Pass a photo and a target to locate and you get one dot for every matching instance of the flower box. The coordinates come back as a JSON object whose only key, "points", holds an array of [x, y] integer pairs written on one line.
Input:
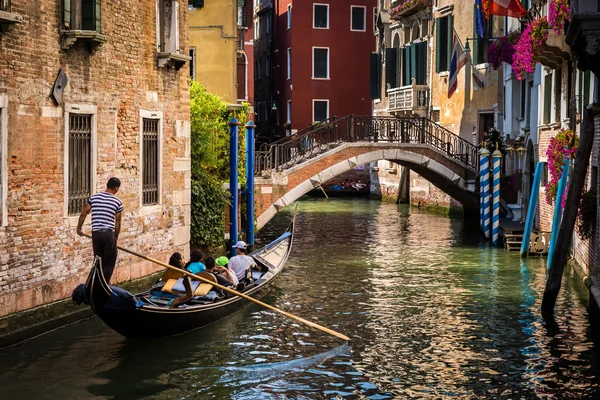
{"points": [[404, 8]]}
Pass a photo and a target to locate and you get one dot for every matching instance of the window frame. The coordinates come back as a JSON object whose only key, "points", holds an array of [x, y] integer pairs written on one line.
{"points": [[149, 114], [289, 112], [3, 159], [364, 22], [315, 15], [328, 63], [326, 101], [289, 16], [162, 45], [193, 51], [81, 109], [289, 63]]}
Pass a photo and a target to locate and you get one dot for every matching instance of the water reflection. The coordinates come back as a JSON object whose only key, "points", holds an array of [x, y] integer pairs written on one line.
{"points": [[433, 312]]}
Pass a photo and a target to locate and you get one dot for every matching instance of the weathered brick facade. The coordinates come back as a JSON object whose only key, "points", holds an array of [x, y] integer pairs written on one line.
{"points": [[41, 257]]}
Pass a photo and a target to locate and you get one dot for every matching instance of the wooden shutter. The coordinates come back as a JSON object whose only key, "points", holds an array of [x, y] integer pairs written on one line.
{"points": [[375, 76], [438, 56], [449, 37], [406, 75], [547, 98], [413, 63], [98, 8], [67, 13], [391, 67], [421, 63]]}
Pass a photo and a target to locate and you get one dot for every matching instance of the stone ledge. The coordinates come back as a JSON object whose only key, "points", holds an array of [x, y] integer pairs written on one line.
{"points": [[70, 37]]}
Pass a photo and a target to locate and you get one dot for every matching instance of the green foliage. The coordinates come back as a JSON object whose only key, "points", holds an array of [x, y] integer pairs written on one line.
{"points": [[209, 117], [208, 210]]}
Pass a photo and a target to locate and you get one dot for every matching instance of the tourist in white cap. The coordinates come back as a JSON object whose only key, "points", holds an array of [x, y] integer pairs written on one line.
{"points": [[241, 263]]}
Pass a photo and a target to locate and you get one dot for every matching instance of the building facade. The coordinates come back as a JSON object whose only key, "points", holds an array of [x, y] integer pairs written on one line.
{"points": [[313, 58], [222, 48], [89, 90]]}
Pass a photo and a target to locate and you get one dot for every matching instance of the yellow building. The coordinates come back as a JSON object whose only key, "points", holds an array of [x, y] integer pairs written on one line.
{"points": [[217, 39]]}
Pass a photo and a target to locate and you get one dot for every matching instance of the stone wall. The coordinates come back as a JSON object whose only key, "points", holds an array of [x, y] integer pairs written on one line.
{"points": [[41, 257]]}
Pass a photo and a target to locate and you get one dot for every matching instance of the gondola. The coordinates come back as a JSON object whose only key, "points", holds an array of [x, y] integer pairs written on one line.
{"points": [[339, 193], [147, 315]]}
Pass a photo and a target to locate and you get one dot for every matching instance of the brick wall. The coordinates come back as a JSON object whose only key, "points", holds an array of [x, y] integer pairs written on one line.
{"points": [[41, 257]]}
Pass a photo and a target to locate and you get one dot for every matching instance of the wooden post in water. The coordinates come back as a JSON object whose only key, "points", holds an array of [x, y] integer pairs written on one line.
{"points": [[559, 258]]}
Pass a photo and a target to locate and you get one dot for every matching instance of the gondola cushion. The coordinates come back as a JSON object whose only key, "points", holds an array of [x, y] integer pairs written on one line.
{"points": [[121, 298], [175, 286]]}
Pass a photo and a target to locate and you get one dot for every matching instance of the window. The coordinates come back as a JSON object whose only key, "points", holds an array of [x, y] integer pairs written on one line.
{"points": [[481, 45], [358, 18], [268, 23], [523, 90], [321, 16], [375, 76], [150, 156], [82, 15], [320, 110], [374, 19], [547, 98], [320, 63], [557, 94], [241, 16], [168, 26], [443, 42], [267, 65], [80, 160], [414, 64], [193, 63], [3, 160], [289, 16], [195, 4], [259, 68], [256, 29], [289, 111], [289, 63]]}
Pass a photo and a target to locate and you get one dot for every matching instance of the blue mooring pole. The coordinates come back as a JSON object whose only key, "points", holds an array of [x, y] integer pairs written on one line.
{"points": [[531, 210], [250, 127], [560, 192], [484, 188], [233, 183], [496, 158]]}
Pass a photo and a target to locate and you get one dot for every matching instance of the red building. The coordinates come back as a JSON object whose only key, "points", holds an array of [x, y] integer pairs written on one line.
{"points": [[320, 69]]}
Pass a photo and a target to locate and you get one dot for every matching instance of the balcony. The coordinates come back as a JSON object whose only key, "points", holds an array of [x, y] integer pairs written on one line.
{"points": [[583, 34], [404, 8], [411, 99], [554, 51], [7, 18]]}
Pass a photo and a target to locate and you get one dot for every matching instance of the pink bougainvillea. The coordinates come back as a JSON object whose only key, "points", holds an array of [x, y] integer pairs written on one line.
{"points": [[529, 46], [403, 5], [503, 49], [562, 146], [557, 14]]}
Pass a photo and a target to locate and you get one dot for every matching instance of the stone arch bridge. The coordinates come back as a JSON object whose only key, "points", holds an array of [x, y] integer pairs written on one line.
{"points": [[289, 168]]}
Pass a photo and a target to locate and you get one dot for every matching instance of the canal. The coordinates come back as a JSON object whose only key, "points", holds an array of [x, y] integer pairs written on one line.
{"points": [[432, 310]]}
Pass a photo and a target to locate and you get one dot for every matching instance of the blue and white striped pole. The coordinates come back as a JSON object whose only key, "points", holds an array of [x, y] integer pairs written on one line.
{"points": [[484, 184], [496, 157], [558, 209]]}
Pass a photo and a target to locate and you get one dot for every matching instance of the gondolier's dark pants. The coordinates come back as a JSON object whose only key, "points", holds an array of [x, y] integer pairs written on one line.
{"points": [[105, 247]]}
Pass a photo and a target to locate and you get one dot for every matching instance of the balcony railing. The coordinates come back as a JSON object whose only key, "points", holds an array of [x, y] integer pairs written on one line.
{"points": [[404, 8], [411, 98]]}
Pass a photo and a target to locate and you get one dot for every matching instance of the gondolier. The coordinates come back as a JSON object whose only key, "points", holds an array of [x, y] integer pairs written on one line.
{"points": [[106, 211]]}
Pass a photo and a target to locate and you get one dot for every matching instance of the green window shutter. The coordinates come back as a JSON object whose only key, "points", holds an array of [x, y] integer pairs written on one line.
{"points": [[374, 76], [547, 98], [421, 75], [586, 89], [67, 13], [449, 41], [438, 56], [98, 16], [391, 67], [406, 74], [413, 63], [200, 3]]}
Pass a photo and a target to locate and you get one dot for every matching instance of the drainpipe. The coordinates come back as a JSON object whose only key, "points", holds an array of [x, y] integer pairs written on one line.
{"points": [[233, 183]]}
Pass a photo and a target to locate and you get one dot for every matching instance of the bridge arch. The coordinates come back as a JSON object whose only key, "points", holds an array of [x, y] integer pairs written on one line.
{"points": [[435, 166]]}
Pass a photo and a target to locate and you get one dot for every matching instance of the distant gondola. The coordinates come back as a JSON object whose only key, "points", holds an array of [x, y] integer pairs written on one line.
{"points": [[147, 315], [339, 193]]}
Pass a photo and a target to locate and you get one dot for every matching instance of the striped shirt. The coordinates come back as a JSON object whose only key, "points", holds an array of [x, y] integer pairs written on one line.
{"points": [[104, 208]]}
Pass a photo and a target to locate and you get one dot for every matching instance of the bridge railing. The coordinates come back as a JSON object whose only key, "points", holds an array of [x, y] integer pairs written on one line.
{"points": [[326, 135]]}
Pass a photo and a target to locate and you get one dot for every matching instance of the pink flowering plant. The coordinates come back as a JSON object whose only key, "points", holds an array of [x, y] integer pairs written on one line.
{"points": [[529, 46], [402, 5], [557, 14], [503, 49], [562, 146]]}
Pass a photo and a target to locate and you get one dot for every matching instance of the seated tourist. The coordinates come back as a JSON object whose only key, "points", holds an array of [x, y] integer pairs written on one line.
{"points": [[359, 185], [176, 260], [241, 264], [223, 262], [195, 265], [223, 275]]}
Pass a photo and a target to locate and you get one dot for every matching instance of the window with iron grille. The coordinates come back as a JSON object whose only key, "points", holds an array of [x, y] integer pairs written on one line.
{"points": [[150, 161], [80, 161]]}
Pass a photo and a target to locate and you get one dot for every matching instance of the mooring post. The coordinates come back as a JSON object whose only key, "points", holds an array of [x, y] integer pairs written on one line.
{"points": [[567, 225], [250, 127], [233, 183], [531, 210], [497, 158], [560, 191], [485, 189]]}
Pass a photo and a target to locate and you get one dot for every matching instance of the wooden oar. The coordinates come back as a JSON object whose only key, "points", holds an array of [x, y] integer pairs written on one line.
{"points": [[235, 292], [323, 190]]}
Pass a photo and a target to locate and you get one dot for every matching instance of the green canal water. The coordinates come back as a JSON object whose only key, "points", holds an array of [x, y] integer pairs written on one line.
{"points": [[432, 310]]}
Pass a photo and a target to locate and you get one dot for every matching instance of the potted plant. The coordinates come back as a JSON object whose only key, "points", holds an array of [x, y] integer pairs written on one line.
{"points": [[503, 49], [529, 46]]}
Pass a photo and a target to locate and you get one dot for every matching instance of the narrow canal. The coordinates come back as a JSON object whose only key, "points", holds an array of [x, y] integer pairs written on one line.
{"points": [[432, 311]]}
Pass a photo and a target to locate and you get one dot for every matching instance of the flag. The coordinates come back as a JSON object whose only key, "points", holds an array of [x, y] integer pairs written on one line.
{"points": [[505, 8], [479, 19], [457, 61]]}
